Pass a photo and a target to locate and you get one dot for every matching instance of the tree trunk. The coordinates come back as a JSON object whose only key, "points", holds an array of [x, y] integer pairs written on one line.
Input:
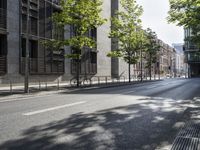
{"points": [[141, 66], [129, 72], [77, 72], [150, 67]]}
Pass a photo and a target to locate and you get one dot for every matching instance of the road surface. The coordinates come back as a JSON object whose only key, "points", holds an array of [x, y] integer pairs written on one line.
{"points": [[144, 116]]}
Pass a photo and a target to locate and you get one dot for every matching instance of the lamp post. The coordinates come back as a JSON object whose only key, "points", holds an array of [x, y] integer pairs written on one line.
{"points": [[26, 75]]}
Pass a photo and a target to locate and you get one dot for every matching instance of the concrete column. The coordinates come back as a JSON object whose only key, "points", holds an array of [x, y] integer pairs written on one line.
{"points": [[104, 43], [13, 37]]}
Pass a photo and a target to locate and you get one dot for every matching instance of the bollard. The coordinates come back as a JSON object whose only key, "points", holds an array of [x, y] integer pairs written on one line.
{"points": [[98, 80], [11, 90], [58, 84], [46, 85], [90, 82], [39, 85], [106, 80]]}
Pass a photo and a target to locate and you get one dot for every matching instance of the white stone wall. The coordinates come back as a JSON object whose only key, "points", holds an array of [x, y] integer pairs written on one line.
{"points": [[104, 43], [103, 47], [13, 40]]}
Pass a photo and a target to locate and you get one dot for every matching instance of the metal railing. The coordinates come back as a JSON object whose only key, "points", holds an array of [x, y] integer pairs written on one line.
{"points": [[84, 68], [16, 85]]}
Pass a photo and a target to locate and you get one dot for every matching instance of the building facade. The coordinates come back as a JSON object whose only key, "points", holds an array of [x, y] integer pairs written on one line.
{"points": [[45, 63], [3, 37], [167, 57], [181, 66], [192, 55]]}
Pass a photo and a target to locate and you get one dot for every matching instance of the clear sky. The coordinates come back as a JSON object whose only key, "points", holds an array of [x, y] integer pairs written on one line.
{"points": [[154, 17]]}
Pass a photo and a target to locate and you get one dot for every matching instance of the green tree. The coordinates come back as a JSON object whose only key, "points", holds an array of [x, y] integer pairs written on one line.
{"points": [[186, 13], [82, 16], [126, 28], [152, 49]]}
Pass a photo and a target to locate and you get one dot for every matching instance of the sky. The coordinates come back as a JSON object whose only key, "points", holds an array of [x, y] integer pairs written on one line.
{"points": [[154, 17]]}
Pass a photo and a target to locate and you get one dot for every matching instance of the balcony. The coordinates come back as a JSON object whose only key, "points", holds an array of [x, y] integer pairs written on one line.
{"points": [[3, 64], [3, 18], [193, 58]]}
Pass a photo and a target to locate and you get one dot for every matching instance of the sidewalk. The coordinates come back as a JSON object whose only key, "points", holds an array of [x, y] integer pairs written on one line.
{"points": [[189, 136], [17, 91]]}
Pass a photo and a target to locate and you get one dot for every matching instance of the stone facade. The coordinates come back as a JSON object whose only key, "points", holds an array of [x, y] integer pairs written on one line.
{"points": [[167, 59], [105, 65]]}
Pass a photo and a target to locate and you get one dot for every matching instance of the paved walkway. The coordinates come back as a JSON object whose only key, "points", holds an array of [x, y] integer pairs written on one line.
{"points": [[189, 136], [46, 87]]}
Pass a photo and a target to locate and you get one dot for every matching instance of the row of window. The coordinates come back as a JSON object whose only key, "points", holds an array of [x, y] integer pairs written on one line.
{"points": [[3, 52], [3, 14], [45, 60]]}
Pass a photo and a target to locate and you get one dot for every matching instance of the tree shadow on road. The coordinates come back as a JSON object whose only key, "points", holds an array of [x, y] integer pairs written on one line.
{"points": [[144, 126]]}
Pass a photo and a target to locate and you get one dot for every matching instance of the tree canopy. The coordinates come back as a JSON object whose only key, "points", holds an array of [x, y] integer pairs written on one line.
{"points": [[82, 16], [152, 49], [127, 29], [186, 13]]}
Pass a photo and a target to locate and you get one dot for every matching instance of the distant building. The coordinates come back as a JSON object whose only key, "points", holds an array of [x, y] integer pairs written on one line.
{"points": [[181, 66], [192, 55], [167, 59]]}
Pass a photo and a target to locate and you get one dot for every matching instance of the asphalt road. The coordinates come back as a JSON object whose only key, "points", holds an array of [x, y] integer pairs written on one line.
{"points": [[144, 116]]}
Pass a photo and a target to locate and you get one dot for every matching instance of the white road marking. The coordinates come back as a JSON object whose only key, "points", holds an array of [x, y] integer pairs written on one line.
{"points": [[127, 92], [52, 108], [151, 87], [22, 98]]}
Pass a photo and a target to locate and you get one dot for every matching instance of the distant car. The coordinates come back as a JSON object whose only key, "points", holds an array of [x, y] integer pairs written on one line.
{"points": [[139, 76], [168, 76]]}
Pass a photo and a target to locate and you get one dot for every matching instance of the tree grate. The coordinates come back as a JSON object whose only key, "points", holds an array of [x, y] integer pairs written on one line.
{"points": [[188, 138]]}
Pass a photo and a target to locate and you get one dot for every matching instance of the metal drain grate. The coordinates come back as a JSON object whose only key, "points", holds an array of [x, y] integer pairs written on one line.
{"points": [[188, 138]]}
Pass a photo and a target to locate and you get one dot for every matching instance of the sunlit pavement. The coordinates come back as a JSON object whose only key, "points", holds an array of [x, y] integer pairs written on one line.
{"points": [[133, 117]]}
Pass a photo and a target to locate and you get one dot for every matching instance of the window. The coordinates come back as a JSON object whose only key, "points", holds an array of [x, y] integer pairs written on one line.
{"points": [[24, 21], [42, 18], [3, 4], [93, 57], [94, 33], [33, 26], [33, 48], [3, 45], [23, 44], [48, 25]]}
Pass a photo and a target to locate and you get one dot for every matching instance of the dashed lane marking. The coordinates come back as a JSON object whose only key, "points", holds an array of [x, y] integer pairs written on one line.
{"points": [[22, 98], [52, 108], [128, 92]]}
